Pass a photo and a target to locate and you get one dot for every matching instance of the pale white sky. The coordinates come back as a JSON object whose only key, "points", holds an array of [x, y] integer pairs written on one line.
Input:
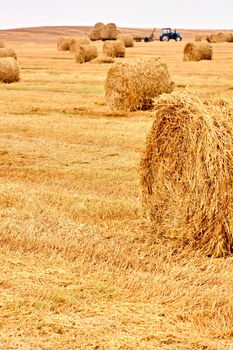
{"points": [[210, 14]]}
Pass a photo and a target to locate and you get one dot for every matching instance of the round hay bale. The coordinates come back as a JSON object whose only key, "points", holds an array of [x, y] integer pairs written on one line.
{"points": [[9, 70], [1, 44], [103, 60], [119, 48], [187, 174], [85, 53], [221, 38], [109, 33], [198, 37], [111, 26], [99, 26], [63, 44], [108, 49], [95, 34], [213, 38], [131, 86], [5, 52], [198, 51], [229, 37], [127, 39], [75, 42]]}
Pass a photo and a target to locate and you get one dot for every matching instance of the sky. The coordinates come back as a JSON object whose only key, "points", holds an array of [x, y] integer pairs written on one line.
{"points": [[193, 14]]}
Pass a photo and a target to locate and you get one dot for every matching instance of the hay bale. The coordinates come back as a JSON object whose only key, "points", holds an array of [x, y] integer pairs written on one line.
{"points": [[119, 48], [111, 26], [5, 52], [108, 49], [99, 25], [213, 38], [198, 51], [76, 42], [229, 37], [221, 38], [1, 44], [127, 39], [95, 34], [132, 86], [198, 37], [63, 44], [114, 49], [85, 53], [103, 60], [9, 70], [109, 33], [187, 174]]}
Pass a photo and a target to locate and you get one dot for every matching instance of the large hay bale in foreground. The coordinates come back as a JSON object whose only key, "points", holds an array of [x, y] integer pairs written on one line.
{"points": [[1, 44], [127, 39], [86, 53], [9, 70], [63, 44], [187, 174], [5, 52], [198, 51], [131, 86]]}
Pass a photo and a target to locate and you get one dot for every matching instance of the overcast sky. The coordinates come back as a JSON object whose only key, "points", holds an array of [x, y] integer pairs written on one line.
{"points": [[208, 14]]}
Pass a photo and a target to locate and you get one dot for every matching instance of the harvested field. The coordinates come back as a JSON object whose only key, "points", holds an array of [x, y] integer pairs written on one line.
{"points": [[80, 268]]}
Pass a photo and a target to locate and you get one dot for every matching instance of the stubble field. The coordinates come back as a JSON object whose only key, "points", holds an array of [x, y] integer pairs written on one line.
{"points": [[79, 268]]}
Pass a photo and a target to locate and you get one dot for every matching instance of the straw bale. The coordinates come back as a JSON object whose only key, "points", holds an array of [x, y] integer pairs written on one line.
{"points": [[198, 51], [95, 34], [9, 70], [86, 53], [229, 37], [127, 39], [76, 42], [108, 49], [63, 44], [119, 48], [198, 37], [103, 60], [99, 25], [132, 86], [5, 52], [187, 174]]}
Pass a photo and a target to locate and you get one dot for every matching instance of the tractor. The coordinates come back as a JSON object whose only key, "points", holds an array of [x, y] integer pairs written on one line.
{"points": [[167, 34]]}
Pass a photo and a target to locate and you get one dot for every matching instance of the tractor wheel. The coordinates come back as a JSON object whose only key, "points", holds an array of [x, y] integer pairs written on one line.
{"points": [[165, 38], [146, 39], [178, 38]]}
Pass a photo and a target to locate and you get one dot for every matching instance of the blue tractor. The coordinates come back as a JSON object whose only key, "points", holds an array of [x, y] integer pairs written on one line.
{"points": [[167, 34]]}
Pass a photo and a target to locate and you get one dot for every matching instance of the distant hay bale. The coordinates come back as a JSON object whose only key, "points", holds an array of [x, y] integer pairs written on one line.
{"points": [[86, 53], [187, 174], [131, 86], [111, 26], [5, 52], [95, 34], [109, 33], [221, 38], [119, 48], [114, 48], [229, 37], [63, 44], [108, 49], [198, 51], [213, 38], [75, 42], [1, 44], [198, 37], [103, 60], [9, 70], [99, 25], [127, 39]]}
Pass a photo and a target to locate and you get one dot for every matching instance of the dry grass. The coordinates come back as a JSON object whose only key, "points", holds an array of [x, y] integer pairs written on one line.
{"points": [[198, 51], [78, 268], [131, 86], [187, 173]]}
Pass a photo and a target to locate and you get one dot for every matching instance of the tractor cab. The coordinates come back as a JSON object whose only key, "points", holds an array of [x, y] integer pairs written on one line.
{"points": [[167, 34]]}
